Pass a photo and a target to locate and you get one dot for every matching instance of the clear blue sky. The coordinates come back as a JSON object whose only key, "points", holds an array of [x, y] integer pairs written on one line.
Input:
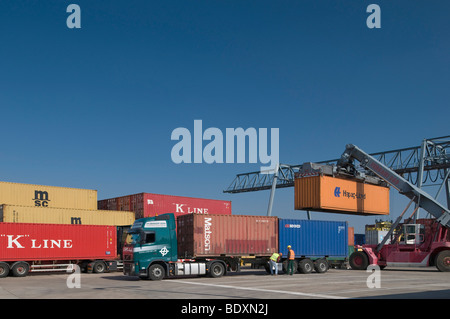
{"points": [[95, 107]]}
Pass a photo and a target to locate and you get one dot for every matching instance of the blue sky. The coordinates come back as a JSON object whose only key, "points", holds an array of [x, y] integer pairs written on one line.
{"points": [[95, 107]]}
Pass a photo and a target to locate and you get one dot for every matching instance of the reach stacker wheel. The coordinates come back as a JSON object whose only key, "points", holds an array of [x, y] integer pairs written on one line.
{"points": [[359, 260], [443, 261]]}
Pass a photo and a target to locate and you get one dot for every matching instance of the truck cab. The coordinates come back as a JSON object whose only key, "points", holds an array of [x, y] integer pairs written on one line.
{"points": [[412, 234], [151, 252], [151, 243]]}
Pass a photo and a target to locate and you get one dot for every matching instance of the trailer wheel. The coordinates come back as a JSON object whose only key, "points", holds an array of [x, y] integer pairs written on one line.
{"points": [[20, 269], [156, 272], [359, 260], [4, 269], [216, 270], [443, 261], [321, 265], [305, 266], [99, 267]]}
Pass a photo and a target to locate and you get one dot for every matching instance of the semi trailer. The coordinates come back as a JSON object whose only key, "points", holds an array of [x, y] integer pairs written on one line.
{"points": [[213, 245], [28, 248]]}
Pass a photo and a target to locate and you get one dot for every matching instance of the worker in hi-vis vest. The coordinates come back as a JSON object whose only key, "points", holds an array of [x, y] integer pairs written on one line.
{"points": [[291, 258], [274, 259]]}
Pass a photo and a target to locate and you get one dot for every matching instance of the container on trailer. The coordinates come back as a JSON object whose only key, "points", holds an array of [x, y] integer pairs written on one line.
{"points": [[34, 242], [226, 235], [47, 196], [150, 205], [313, 238], [339, 195], [41, 215]]}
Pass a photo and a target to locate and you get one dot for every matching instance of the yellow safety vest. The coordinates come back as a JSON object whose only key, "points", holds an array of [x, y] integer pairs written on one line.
{"points": [[275, 257]]}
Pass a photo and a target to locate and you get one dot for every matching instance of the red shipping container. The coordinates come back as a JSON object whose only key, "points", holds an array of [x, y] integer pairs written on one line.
{"points": [[226, 235], [150, 205], [32, 242]]}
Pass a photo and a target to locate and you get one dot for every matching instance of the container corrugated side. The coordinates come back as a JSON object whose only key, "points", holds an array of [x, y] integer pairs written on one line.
{"points": [[39, 215], [150, 205], [31, 242], [47, 196], [338, 195], [313, 238], [226, 235], [351, 236]]}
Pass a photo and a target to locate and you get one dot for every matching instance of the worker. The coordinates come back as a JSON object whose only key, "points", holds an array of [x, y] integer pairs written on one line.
{"points": [[274, 259], [291, 258]]}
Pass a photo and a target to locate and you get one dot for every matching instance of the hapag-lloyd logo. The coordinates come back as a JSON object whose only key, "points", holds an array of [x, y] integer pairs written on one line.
{"points": [[354, 195], [23, 241], [207, 240]]}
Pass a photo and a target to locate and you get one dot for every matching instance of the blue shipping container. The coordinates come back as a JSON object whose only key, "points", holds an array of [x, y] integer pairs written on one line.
{"points": [[313, 238], [360, 239]]}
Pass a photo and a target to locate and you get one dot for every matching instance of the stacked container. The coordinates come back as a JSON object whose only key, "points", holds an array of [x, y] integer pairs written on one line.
{"points": [[150, 205], [29, 203]]}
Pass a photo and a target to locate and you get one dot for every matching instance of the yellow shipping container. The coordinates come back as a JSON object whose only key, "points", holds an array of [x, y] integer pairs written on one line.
{"points": [[47, 196], [39, 215], [338, 195]]}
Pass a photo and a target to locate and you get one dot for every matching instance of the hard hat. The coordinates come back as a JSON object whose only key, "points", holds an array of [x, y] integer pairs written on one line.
{"points": [[289, 246]]}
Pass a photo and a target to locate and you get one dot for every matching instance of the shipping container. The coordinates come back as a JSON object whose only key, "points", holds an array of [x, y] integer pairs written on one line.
{"points": [[37, 242], [226, 235], [338, 195], [351, 236], [47, 196], [150, 205], [314, 238], [40, 215], [374, 237], [360, 239]]}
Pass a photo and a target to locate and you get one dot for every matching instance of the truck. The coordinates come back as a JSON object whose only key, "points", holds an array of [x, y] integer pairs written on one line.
{"points": [[213, 245], [26, 247], [423, 242]]}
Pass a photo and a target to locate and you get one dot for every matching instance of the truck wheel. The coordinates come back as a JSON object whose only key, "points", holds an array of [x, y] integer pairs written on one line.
{"points": [[216, 270], [443, 261], [99, 267], [321, 265], [4, 269], [359, 260], [20, 269], [305, 266], [156, 272]]}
